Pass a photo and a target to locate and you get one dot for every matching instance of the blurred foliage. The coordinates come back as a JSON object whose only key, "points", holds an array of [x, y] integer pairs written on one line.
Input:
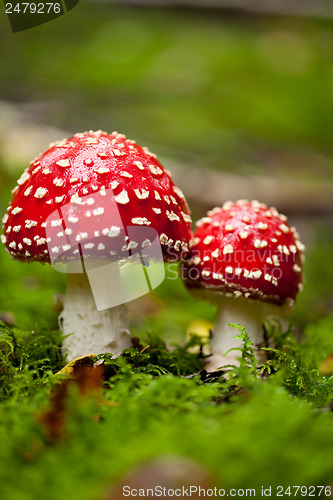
{"points": [[216, 89]]}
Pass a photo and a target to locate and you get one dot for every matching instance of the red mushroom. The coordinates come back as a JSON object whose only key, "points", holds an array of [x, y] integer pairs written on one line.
{"points": [[88, 202], [245, 258]]}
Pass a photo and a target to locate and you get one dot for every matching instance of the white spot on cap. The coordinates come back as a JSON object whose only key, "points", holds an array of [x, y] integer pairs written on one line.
{"points": [[55, 223], [88, 246], [268, 277], [262, 225], [73, 180], [58, 199], [157, 195], [36, 170], [156, 210], [299, 245], [27, 241], [172, 216], [178, 191], [208, 240], [122, 197], [285, 250], [186, 217], [16, 210], [131, 245], [90, 201], [195, 260], [203, 220], [269, 260], [101, 247], [16, 229], [68, 231], [91, 140], [41, 241], [58, 182], [228, 249], [229, 227], [46, 171], [24, 177], [113, 232], [155, 170], [66, 247], [167, 199], [5, 218], [114, 184], [284, 228], [260, 243], [139, 165], [88, 161], [243, 235], [229, 270], [246, 218], [276, 261], [216, 253], [40, 192], [297, 268], [28, 191], [9, 228], [164, 239], [76, 199], [194, 242], [27, 254], [60, 235], [102, 155], [63, 163], [126, 174], [71, 219], [205, 273], [141, 221], [142, 194], [116, 152], [146, 243], [98, 211], [4, 239], [102, 170]]}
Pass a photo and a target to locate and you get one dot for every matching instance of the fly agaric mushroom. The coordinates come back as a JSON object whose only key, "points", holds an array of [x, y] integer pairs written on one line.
{"points": [[245, 258], [90, 200]]}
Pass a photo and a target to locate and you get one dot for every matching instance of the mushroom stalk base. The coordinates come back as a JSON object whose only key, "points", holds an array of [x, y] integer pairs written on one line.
{"points": [[247, 313], [91, 331]]}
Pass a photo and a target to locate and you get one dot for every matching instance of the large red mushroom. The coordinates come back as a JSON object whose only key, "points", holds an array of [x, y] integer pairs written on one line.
{"points": [[246, 258], [88, 203]]}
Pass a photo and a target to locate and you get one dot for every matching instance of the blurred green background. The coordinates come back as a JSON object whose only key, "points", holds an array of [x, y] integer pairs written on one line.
{"points": [[238, 104]]}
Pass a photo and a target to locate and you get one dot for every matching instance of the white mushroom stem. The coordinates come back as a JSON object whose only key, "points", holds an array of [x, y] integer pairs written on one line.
{"points": [[91, 331], [249, 314]]}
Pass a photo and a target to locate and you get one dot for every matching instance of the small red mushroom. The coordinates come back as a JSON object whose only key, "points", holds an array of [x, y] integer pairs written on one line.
{"points": [[91, 200], [245, 258]]}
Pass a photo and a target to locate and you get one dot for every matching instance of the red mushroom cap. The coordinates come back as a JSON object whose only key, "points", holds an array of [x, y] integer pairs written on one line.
{"points": [[90, 189], [245, 248]]}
